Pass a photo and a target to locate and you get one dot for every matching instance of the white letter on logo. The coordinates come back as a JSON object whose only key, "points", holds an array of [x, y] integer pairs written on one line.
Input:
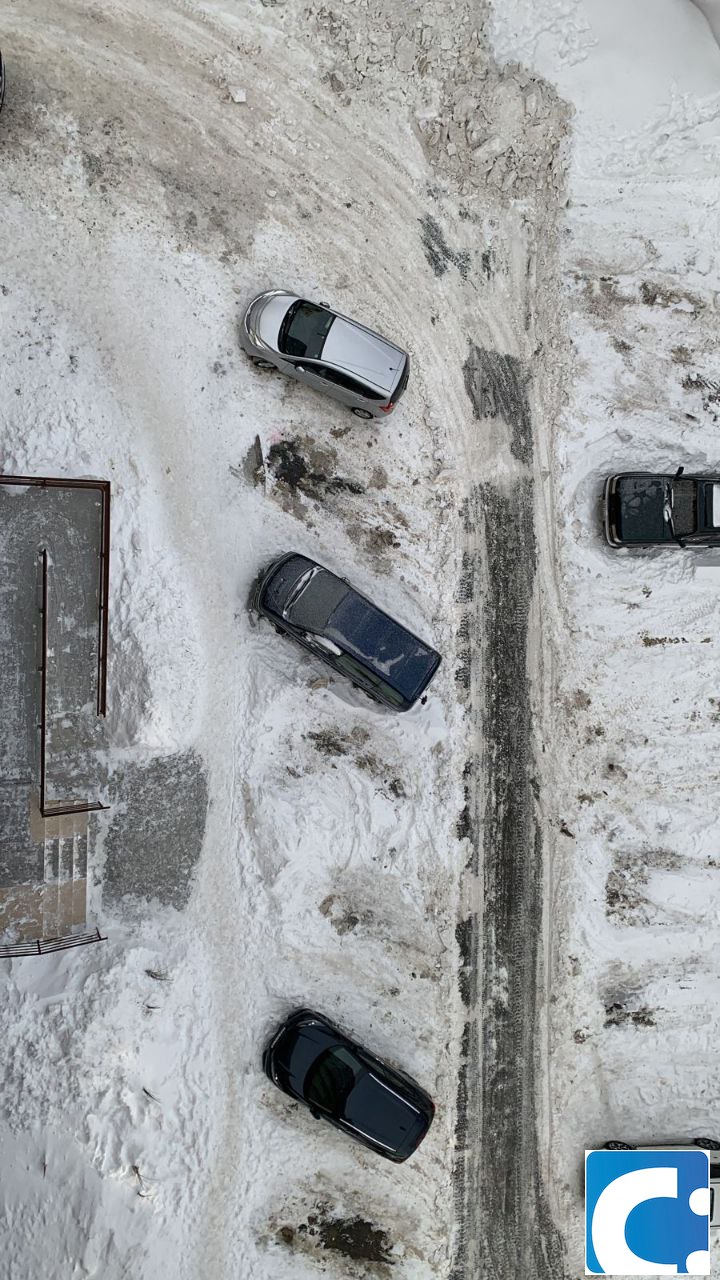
{"points": [[613, 1208]]}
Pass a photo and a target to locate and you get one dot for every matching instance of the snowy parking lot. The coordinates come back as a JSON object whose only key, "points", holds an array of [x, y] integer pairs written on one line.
{"points": [[511, 891]]}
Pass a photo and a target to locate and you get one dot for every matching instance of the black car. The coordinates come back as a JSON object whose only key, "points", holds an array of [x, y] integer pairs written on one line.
{"points": [[328, 616], [647, 510], [313, 1061]]}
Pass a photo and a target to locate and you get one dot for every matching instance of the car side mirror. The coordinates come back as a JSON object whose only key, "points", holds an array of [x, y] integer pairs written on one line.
{"points": [[315, 1114], [300, 368], [679, 472]]}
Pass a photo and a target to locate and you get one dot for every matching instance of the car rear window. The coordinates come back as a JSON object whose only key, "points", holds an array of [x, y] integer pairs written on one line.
{"points": [[684, 507], [715, 507], [376, 1109], [304, 330], [402, 384], [349, 384], [382, 645]]}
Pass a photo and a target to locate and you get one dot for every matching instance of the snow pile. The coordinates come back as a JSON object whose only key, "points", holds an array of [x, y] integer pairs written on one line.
{"points": [[107, 1100]]}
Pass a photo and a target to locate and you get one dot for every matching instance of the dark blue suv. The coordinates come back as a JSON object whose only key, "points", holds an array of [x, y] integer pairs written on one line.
{"points": [[327, 615]]}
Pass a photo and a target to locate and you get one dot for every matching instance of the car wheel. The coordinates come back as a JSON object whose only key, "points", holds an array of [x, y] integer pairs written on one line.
{"points": [[362, 413], [262, 364], [618, 1146], [707, 1144]]}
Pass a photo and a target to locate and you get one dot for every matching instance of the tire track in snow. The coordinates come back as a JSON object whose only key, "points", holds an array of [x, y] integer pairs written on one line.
{"points": [[505, 1225]]}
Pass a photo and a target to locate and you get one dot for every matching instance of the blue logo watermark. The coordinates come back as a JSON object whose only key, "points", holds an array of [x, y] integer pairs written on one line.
{"points": [[647, 1213]]}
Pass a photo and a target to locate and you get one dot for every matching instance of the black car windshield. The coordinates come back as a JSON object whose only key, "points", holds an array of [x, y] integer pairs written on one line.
{"points": [[317, 600], [304, 330], [684, 507], [330, 1080], [382, 645], [377, 1110]]}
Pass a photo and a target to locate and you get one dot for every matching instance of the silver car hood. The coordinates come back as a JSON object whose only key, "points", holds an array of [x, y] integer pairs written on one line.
{"points": [[355, 350], [270, 315]]}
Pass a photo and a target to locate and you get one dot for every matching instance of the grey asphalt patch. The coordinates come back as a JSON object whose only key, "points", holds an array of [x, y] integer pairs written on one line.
{"points": [[506, 1228], [157, 829], [497, 388]]}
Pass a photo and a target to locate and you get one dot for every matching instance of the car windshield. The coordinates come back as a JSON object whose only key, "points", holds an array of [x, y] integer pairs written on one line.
{"points": [[382, 645], [684, 507], [330, 1080], [304, 330], [315, 602]]}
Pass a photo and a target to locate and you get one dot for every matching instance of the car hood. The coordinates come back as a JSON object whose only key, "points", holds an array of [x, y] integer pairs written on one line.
{"points": [[269, 315], [282, 579], [639, 511], [354, 349], [297, 1050]]}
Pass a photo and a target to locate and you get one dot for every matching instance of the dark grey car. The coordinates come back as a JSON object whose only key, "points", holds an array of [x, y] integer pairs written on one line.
{"points": [[314, 1062], [326, 615], [646, 509], [325, 350]]}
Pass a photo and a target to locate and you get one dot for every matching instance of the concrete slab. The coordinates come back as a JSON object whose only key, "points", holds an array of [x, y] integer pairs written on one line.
{"points": [[157, 827], [43, 862]]}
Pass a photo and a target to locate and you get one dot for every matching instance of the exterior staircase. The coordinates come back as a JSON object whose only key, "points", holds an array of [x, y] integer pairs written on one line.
{"points": [[64, 894]]}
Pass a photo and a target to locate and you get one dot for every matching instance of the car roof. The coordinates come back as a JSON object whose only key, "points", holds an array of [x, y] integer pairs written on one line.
{"points": [[382, 645], [353, 349]]}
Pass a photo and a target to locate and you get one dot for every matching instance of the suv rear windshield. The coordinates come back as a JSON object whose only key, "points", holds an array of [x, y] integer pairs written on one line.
{"points": [[304, 330], [684, 507], [382, 645]]}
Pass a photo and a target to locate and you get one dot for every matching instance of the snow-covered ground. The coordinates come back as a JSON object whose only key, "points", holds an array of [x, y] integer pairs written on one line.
{"points": [[159, 163], [143, 204]]}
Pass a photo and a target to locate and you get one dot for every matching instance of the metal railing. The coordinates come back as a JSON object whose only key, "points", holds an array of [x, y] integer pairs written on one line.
{"points": [[43, 946]]}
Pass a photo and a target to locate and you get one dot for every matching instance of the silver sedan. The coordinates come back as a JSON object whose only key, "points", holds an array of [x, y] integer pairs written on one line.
{"points": [[327, 351]]}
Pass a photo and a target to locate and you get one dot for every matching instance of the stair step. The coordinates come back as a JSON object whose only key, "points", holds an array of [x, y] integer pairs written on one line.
{"points": [[66, 857], [51, 903], [79, 889], [65, 886]]}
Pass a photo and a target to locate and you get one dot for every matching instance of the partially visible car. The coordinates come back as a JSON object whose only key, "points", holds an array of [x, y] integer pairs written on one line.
{"points": [[2, 80], [325, 350], [314, 1062], [711, 1145], [326, 615], [647, 509]]}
